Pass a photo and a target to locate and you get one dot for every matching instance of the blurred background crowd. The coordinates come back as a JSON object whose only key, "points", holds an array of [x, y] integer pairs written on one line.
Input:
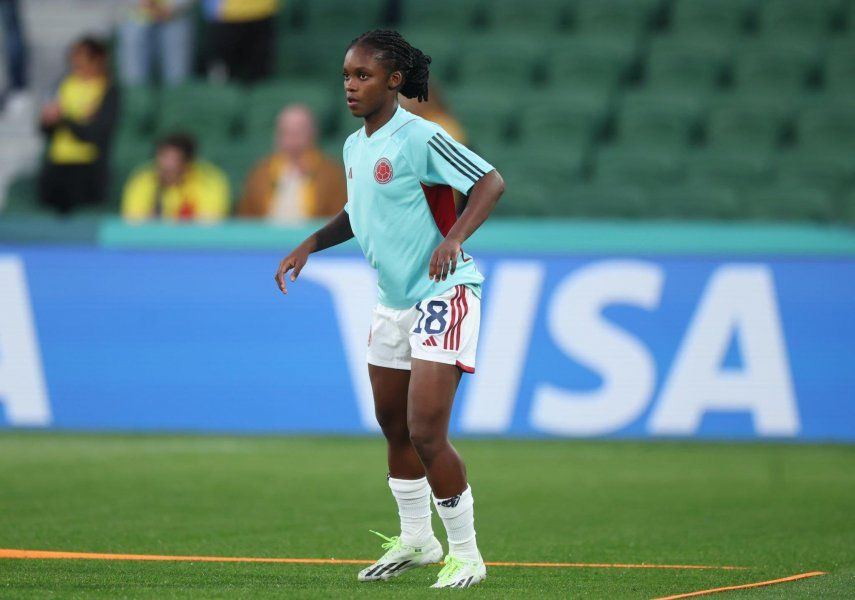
{"points": [[214, 109]]}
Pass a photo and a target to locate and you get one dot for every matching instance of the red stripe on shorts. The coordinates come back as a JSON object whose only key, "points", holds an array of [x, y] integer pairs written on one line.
{"points": [[452, 336], [445, 339], [460, 323]]}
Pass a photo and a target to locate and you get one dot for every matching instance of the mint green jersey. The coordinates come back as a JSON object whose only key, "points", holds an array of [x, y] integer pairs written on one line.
{"points": [[401, 205]]}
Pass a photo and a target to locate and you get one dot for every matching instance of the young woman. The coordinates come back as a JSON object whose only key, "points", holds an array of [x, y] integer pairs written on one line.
{"points": [[400, 173]]}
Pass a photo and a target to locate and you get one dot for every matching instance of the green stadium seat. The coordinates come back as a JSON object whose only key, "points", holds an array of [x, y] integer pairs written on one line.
{"points": [[549, 16], [439, 15], [314, 55], [744, 122], [788, 203], [828, 126], [684, 64], [357, 17], [699, 202], [596, 64], [237, 161], [601, 201], [443, 47], [207, 111], [22, 196], [560, 123], [846, 208], [634, 165], [138, 107], [657, 121], [797, 18], [840, 72], [504, 62], [627, 17], [774, 67], [729, 167], [265, 101], [722, 19], [813, 167]]}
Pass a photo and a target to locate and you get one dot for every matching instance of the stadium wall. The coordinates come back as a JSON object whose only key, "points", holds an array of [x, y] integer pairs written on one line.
{"points": [[724, 335]]}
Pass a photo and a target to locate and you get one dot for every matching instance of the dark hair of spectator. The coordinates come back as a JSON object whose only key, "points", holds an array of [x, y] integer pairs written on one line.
{"points": [[399, 55], [95, 48], [183, 142]]}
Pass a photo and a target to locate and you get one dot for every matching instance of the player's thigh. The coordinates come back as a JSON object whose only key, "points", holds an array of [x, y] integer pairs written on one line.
{"points": [[390, 388], [431, 396]]}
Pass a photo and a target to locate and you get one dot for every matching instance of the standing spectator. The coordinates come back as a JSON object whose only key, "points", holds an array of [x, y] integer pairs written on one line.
{"points": [[243, 37], [79, 123], [297, 181], [159, 30], [178, 187], [15, 99]]}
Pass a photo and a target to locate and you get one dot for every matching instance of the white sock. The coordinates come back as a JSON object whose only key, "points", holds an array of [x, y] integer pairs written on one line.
{"points": [[413, 498], [458, 516]]}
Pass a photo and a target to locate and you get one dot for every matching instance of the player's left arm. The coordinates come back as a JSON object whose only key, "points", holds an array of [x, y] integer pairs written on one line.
{"points": [[482, 200]]}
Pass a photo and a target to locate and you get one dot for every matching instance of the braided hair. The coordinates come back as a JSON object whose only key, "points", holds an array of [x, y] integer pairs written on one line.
{"points": [[399, 55]]}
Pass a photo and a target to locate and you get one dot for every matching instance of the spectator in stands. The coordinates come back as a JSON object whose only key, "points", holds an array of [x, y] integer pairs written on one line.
{"points": [[178, 187], [297, 181], [14, 100], [156, 29], [79, 123], [243, 37], [435, 109]]}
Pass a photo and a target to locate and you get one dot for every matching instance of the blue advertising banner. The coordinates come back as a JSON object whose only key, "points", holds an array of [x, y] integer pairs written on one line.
{"points": [[570, 346]]}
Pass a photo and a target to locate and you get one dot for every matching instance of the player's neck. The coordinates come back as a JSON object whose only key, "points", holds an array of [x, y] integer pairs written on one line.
{"points": [[375, 121]]}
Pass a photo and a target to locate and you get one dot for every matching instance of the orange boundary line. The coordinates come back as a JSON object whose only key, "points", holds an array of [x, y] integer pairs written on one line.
{"points": [[745, 586], [52, 554]]}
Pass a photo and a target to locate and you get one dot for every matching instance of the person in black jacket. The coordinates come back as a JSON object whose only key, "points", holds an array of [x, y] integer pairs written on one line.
{"points": [[79, 123]]}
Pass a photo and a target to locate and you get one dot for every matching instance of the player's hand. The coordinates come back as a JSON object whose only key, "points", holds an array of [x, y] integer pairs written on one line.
{"points": [[443, 261], [294, 261]]}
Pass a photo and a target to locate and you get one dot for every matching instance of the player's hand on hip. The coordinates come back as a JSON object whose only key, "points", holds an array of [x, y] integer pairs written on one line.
{"points": [[294, 262], [443, 262]]}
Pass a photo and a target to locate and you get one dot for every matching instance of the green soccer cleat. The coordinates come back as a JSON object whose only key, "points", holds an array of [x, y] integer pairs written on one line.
{"points": [[459, 573], [400, 558]]}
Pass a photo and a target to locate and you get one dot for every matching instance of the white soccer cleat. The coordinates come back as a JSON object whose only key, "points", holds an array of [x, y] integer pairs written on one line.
{"points": [[400, 558], [459, 573]]}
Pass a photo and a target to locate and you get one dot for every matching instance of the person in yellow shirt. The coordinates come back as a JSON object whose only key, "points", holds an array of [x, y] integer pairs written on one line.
{"points": [[297, 181], [243, 37], [177, 187], [79, 123]]}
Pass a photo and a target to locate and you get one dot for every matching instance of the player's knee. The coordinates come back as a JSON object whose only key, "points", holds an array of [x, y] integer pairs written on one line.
{"points": [[393, 426], [426, 440]]}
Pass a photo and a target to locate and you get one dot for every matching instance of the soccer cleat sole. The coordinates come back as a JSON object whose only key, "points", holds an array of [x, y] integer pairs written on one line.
{"points": [[463, 583], [386, 571]]}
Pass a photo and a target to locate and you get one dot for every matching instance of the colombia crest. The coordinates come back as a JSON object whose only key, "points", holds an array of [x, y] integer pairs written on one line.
{"points": [[383, 171]]}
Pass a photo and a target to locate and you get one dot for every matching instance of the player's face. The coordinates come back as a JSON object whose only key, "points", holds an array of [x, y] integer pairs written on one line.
{"points": [[368, 86]]}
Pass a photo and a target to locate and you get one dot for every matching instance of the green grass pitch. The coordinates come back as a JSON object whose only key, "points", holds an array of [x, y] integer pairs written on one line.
{"points": [[778, 509]]}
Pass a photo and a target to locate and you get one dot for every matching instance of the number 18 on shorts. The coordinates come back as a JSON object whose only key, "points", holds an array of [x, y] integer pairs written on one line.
{"points": [[440, 329]]}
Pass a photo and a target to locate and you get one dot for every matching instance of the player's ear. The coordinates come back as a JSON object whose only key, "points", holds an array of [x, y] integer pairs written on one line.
{"points": [[395, 80]]}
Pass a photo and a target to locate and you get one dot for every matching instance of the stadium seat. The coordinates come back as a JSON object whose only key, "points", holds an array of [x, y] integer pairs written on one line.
{"points": [[658, 121], [686, 64], [744, 122], [788, 203], [595, 64], [507, 63], [357, 17], [787, 19], [689, 201], [774, 67], [560, 123], [265, 101], [634, 165], [722, 19], [599, 200], [813, 167], [840, 72], [828, 126], [209, 111], [22, 196], [138, 108], [846, 208], [548, 16], [443, 47], [314, 55], [626, 17], [237, 161], [487, 125], [440, 15], [729, 167]]}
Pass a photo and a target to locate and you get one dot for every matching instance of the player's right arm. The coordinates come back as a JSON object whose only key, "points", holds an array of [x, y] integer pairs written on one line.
{"points": [[335, 232]]}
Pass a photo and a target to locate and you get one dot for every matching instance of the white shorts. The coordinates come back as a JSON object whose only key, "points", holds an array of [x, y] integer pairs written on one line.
{"points": [[441, 329]]}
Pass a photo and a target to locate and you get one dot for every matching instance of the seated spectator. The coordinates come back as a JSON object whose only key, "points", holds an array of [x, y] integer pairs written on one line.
{"points": [[79, 123], [243, 38], [14, 101], [297, 181], [156, 29], [177, 187]]}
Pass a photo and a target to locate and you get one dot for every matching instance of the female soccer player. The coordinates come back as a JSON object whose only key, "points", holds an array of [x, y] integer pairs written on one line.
{"points": [[400, 170]]}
